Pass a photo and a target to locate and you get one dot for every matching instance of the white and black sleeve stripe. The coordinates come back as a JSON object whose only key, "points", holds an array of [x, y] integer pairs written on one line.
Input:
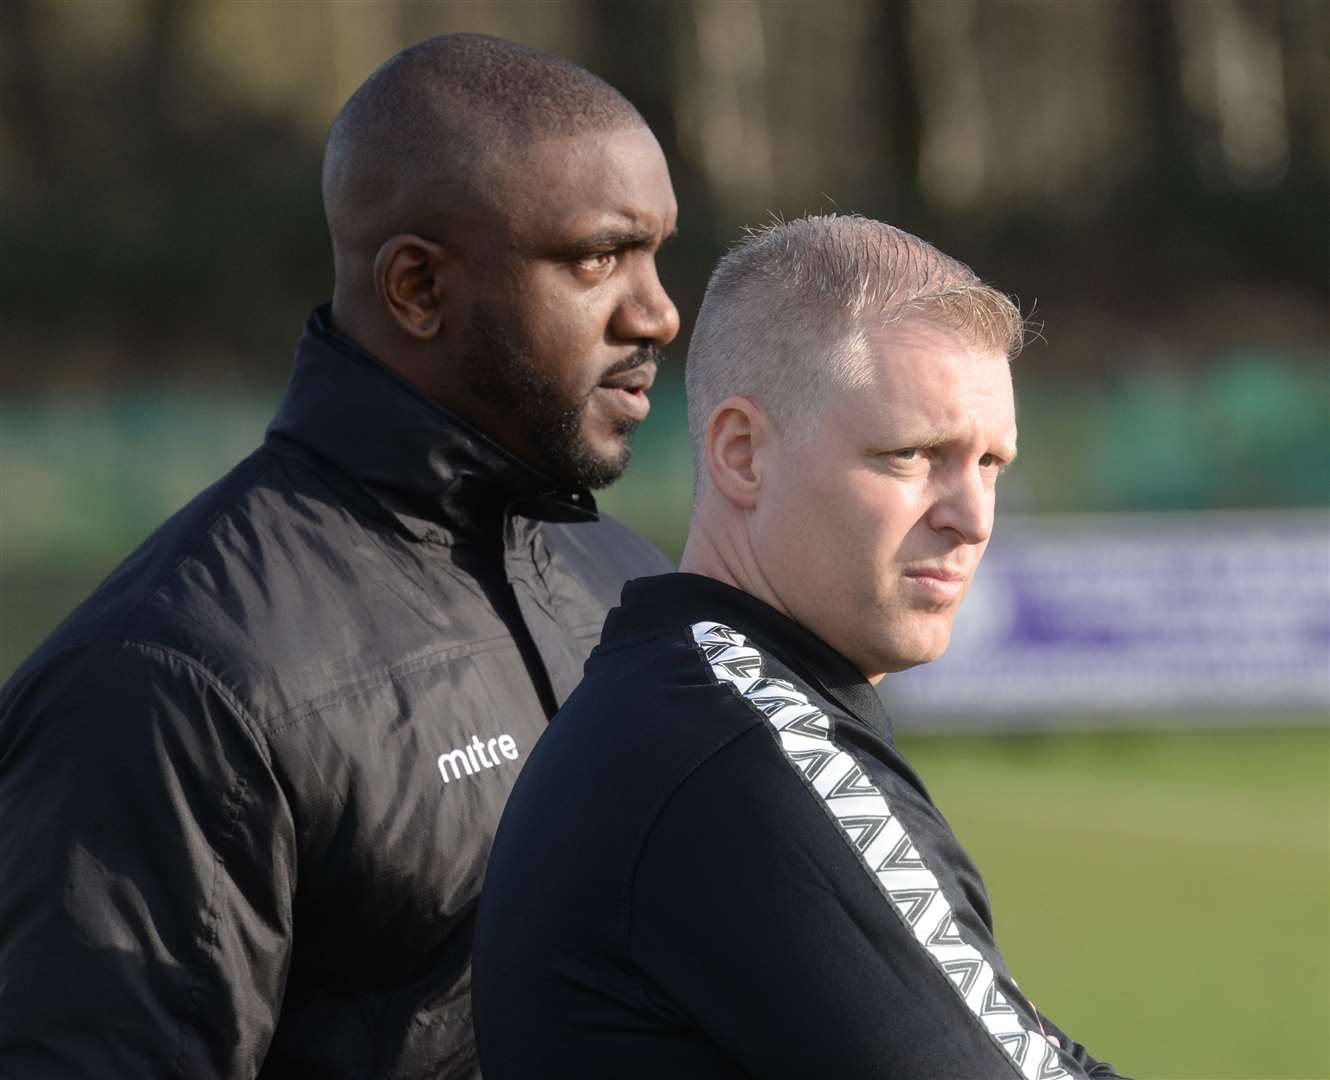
{"points": [[884, 848]]}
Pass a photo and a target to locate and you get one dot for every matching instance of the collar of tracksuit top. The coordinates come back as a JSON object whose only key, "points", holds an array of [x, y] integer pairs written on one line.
{"points": [[671, 602], [432, 474]]}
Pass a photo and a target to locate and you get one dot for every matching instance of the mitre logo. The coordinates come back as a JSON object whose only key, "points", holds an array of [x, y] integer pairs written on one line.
{"points": [[476, 755]]}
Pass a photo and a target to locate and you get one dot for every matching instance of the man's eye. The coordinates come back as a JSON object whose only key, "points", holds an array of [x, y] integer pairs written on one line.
{"points": [[597, 263], [908, 454]]}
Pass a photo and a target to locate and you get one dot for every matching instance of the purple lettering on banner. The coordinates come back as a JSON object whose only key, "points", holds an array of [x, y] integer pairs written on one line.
{"points": [[1215, 615]]}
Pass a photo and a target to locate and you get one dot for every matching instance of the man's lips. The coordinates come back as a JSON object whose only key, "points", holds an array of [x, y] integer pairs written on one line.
{"points": [[634, 380], [939, 580], [627, 390]]}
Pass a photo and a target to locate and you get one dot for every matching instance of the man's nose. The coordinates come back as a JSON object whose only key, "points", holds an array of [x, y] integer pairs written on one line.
{"points": [[646, 313], [964, 505]]}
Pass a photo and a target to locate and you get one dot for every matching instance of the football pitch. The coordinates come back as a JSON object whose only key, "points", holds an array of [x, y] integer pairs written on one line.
{"points": [[1163, 896]]}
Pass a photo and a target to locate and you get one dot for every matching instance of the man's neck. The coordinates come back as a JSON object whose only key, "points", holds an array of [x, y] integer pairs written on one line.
{"points": [[722, 551]]}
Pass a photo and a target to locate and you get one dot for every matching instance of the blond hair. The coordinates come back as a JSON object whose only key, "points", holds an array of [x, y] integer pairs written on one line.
{"points": [[789, 310]]}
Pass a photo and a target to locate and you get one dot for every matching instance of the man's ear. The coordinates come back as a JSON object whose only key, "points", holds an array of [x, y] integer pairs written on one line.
{"points": [[412, 279], [738, 434]]}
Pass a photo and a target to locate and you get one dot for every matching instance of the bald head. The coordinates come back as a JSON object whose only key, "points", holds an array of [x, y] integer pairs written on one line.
{"points": [[418, 147], [495, 215]]}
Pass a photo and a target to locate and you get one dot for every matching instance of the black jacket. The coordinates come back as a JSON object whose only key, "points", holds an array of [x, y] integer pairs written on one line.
{"points": [[248, 789], [717, 865]]}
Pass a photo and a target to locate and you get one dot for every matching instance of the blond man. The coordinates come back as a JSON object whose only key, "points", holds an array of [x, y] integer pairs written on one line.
{"points": [[717, 863]]}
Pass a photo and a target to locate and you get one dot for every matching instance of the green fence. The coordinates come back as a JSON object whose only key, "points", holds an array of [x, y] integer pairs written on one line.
{"points": [[84, 478]]}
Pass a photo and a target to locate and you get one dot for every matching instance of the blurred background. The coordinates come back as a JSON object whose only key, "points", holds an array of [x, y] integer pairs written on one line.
{"points": [[1140, 682]]}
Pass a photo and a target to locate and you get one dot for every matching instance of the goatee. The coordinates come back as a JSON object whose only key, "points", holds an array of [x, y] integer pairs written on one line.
{"points": [[501, 372]]}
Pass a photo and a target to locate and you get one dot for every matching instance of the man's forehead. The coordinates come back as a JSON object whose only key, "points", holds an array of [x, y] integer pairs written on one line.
{"points": [[547, 159], [621, 171], [918, 352], [929, 379]]}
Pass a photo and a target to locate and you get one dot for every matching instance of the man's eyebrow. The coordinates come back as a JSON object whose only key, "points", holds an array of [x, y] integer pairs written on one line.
{"points": [[935, 437], [614, 239], [922, 439]]}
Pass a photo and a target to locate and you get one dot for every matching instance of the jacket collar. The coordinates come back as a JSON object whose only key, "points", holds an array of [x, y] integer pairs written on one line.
{"points": [[671, 601], [438, 477]]}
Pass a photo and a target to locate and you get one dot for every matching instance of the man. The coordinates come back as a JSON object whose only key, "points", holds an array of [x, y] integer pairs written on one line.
{"points": [[249, 787], [716, 862]]}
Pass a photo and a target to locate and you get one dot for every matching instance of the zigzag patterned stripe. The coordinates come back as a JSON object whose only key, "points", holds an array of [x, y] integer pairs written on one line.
{"points": [[884, 846]]}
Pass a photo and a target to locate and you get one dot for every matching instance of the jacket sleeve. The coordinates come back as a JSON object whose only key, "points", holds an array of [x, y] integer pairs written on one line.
{"points": [[146, 873], [1096, 1070], [755, 920]]}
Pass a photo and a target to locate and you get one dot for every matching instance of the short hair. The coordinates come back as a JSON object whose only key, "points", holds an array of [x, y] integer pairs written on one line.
{"points": [[788, 311], [433, 113]]}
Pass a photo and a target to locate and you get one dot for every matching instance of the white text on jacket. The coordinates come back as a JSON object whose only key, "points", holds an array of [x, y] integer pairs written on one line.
{"points": [[476, 755]]}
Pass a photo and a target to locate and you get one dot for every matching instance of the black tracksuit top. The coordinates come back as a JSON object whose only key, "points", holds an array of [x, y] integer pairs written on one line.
{"points": [[247, 790], [717, 864]]}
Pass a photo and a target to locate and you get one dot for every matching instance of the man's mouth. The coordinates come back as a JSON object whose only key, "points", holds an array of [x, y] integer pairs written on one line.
{"points": [[635, 378], [628, 388], [942, 582]]}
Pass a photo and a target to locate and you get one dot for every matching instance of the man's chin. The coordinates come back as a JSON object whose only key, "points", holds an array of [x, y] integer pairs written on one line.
{"points": [[595, 467], [912, 650]]}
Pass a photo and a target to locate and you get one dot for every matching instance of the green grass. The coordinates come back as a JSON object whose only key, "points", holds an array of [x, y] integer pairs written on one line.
{"points": [[1165, 897]]}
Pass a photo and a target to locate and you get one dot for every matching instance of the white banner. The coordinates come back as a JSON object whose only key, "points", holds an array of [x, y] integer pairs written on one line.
{"points": [[1213, 616]]}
